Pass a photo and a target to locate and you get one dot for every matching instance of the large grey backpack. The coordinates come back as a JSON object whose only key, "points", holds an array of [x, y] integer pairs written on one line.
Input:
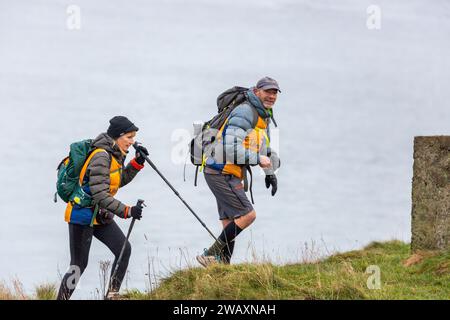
{"points": [[202, 143]]}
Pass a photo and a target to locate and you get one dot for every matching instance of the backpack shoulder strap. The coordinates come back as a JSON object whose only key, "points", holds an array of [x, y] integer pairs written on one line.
{"points": [[255, 116], [86, 163]]}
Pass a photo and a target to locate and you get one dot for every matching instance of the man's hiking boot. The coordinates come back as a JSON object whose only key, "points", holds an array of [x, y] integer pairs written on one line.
{"points": [[206, 260]]}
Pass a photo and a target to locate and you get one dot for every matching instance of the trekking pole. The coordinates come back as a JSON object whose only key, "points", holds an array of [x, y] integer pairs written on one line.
{"points": [[135, 145], [140, 203]]}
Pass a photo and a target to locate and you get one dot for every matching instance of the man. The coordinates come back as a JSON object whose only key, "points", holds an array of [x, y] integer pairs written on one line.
{"points": [[243, 140]]}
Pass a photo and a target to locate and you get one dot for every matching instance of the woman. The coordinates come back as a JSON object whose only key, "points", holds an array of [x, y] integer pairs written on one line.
{"points": [[102, 175]]}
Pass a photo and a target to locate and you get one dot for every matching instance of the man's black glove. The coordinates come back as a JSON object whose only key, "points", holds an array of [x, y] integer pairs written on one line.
{"points": [[271, 180], [136, 212], [139, 158]]}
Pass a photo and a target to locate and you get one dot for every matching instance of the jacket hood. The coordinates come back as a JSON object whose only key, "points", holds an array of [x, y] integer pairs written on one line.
{"points": [[104, 141]]}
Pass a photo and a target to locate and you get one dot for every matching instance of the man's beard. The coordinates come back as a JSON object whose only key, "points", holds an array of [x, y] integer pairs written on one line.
{"points": [[268, 105]]}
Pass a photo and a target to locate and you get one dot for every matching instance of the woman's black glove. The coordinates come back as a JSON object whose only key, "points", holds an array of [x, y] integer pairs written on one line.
{"points": [[104, 216], [271, 180], [136, 212], [139, 158]]}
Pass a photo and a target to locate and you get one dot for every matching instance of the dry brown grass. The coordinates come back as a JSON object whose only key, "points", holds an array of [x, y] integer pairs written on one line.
{"points": [[14, 292]]}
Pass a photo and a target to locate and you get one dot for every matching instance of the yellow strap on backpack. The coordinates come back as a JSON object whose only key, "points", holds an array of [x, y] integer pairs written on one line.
{"points": [[84, 169], [264, 133], [83, 173], [203, 163]]}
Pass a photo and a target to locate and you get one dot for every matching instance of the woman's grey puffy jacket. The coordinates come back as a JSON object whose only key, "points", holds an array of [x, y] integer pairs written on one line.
{"points": [[98, 172]]}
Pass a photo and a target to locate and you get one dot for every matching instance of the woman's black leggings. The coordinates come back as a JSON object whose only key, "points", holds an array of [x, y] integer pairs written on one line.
{"points": [[80, 244]]}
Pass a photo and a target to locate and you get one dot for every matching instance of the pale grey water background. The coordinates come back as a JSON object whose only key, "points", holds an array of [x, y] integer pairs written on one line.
{"points": [[352, 101]]}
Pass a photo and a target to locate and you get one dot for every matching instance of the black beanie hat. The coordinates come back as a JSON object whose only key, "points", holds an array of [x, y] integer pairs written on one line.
{"points": [[120, 125]]}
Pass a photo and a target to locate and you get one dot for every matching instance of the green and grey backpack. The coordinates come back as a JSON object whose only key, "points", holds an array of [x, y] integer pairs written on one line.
{"points": [[68, 186]]}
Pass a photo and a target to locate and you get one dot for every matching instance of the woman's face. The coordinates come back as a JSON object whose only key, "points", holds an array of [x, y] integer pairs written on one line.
{"points": [[126, 141]]}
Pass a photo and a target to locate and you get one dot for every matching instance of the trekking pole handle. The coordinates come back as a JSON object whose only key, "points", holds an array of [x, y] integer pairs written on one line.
{"points": [[140, 203], [136, 147]]}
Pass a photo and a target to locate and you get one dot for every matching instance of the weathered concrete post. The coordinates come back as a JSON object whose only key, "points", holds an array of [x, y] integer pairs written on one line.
{"points": [[431, 194]]}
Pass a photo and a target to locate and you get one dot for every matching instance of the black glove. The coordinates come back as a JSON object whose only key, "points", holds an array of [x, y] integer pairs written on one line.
{"points": [[271, 180], [139, 158], [104, 216], [136, 212]]}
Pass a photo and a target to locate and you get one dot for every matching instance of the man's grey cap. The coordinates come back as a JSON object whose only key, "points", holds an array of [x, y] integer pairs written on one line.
{"points": [[267, 83]]}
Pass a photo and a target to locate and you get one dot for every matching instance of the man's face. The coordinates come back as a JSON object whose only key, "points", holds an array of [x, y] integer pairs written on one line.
{"points": [[267, 97]]}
